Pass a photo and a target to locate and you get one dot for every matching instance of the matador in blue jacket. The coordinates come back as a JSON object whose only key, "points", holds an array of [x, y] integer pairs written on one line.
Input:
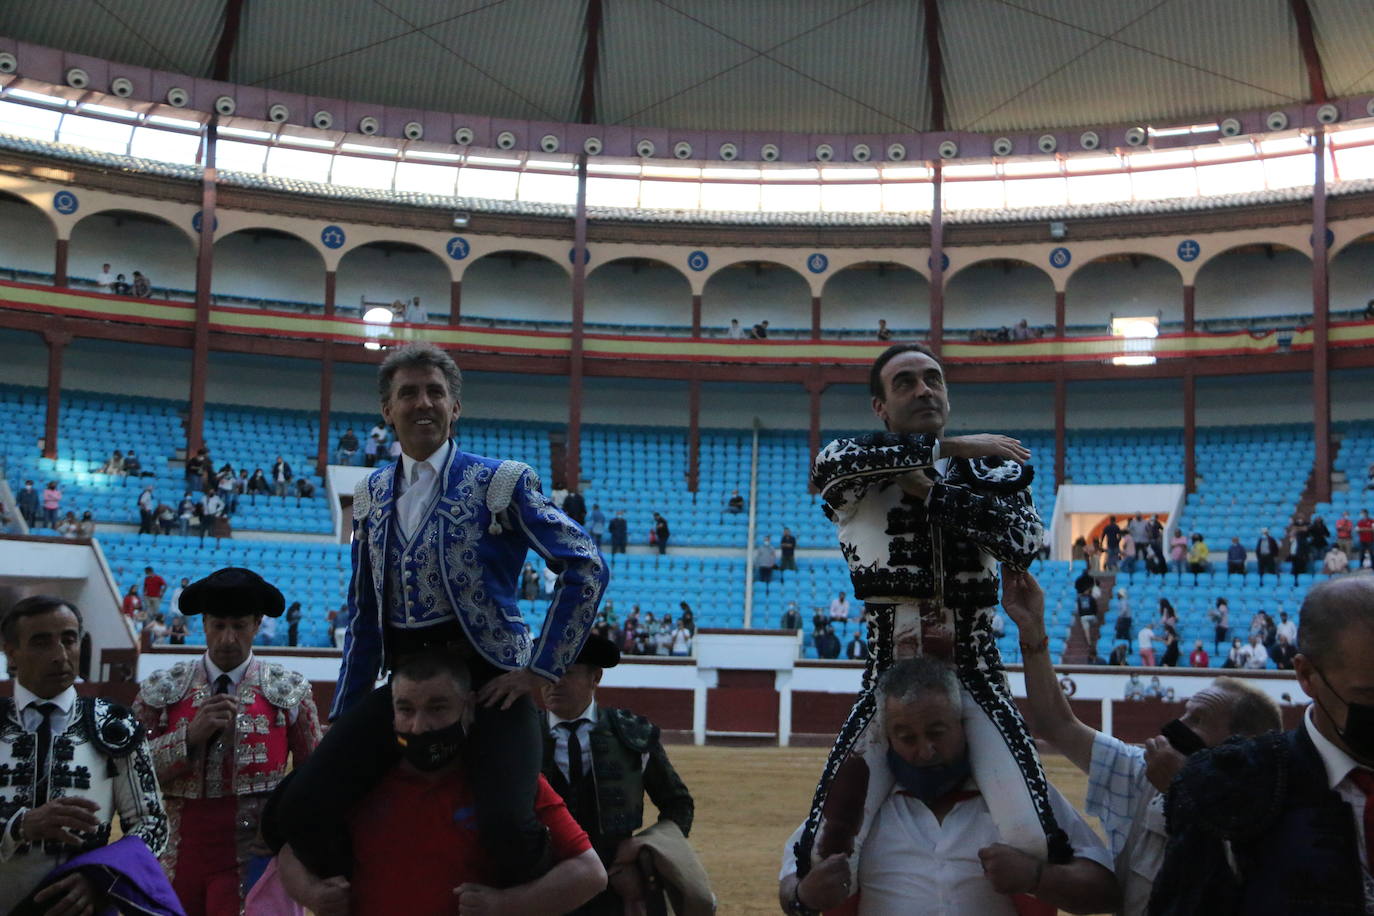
{"points": [[439, 539]]}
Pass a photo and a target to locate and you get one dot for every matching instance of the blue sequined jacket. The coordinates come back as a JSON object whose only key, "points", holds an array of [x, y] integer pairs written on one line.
{"points": [[465, 559]]}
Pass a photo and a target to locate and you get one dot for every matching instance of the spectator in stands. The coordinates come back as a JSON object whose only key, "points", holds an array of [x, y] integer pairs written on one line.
{"points": [[1121, 656], [1235, 558], [597, 524], [661, 533], [177, 631], [376, 438], [105, 279], [1220, 615], [787, 550], [1139, 530], [1267, 554], [416, 313], [1171, 651], [1286, 628], [681, 644], [1284, 653], [337, 620], [258, 484], [393, 451], [1085, 612], [735, 332], [1369, 478], [224, 484], [529, 583], [186, 513], [1254, 656], [52, 502], [305, 488], [86, 527], [132, 466], [620, 532], [559, 493], [147, 511], [175, 600], [1336, 561], [211, 512], [1199, 557], [281, 476], [132, 604], [121, 286], [1198, 657], [1021, 331], [1145, 640], [1129, 554], [884, 332], [7, 522], [857, 650], [68, 526], [760, 332], [293, 624], [765, 559], [197, 466], [154, 586], [115, 466], [1078, 553], [1123, 615], [142, 287], [1270, 634], [735, 504], [1168, 617], [548, 581], [1345, 529], [1134, 689], [791, 618], [575, 506], [839, 611], [1154, 690], [1299, 547], [1318, 537], [1155, 528], [267, 633], [26, 500], [827, 643], [1364, 532], [1111, 541], [348, 447], [686, 617]]}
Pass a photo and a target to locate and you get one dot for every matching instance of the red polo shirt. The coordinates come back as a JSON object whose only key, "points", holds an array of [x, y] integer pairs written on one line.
{"points": [[154, 586], [415, 840]]}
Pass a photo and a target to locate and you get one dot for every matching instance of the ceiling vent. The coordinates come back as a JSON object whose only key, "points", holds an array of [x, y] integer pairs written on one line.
{"points": [[1276, 121], [1089, 140], [896, 152], [178, 97], [825, 152], [1230, 127], [78, 78], [1137, 136], [1328, 114], [1047, 143], [122, 86], [1002, 146], [505, 140], [861, 152], [369, 125], [225, 105], [278, 113], [729, 152], [682, 150]]}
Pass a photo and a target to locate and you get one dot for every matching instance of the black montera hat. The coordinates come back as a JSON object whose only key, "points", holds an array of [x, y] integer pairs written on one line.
{"points": [[232, 592], [599, 652]]}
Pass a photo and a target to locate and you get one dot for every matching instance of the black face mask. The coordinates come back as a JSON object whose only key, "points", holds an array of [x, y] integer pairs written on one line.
{"points": [[428, 751], [1182, 738], [928, 783], [1358, 733]]}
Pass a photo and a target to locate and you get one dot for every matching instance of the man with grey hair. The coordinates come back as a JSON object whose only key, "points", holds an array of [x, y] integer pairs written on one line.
{"points": [[933, 846], [1281, 823], [1126, 783], [439, 539]]}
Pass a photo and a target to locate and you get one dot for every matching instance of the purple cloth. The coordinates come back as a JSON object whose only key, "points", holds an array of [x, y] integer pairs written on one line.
{"points": [[126, 872]]}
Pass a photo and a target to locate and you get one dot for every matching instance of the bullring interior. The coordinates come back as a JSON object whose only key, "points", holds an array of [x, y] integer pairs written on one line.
{"points": [[1139, 235]]}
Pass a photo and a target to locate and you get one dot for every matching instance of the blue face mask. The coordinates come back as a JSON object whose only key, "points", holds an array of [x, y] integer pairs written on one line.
{"points": [[930, 782]]}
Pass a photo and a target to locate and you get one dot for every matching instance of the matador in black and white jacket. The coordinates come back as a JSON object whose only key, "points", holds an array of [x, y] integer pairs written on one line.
{"points": [[923, 523]]}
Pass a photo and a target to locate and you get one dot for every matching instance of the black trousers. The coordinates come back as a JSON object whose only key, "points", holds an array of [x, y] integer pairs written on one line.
{"points": [[501, 761]]}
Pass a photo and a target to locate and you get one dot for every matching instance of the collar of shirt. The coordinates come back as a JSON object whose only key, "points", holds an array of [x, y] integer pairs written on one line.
{"points": [[412, 467], [236, 675], [589, 714], [23, 696], [1337, 762]]}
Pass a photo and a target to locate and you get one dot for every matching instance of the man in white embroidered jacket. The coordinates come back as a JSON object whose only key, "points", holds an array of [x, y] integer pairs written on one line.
{"points": [[439, 540]]}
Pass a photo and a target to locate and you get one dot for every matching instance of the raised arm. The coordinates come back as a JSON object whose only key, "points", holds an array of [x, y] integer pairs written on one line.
{"points": [[1007, 525], [1049, 713], [582, 576], [845, 469]]}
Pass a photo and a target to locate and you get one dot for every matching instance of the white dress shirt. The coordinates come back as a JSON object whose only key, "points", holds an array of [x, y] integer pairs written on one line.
{"points": [[26, 701], [910, 856], [417, 485], [1339, 766], [584, 738], [236, 676]]}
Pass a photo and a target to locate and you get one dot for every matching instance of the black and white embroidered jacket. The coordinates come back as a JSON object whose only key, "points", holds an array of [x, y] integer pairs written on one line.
{"points": [[900, 547], [101, 755]]}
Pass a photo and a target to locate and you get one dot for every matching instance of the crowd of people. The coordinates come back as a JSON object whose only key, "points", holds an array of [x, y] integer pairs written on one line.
{"points": [[139, 286]]}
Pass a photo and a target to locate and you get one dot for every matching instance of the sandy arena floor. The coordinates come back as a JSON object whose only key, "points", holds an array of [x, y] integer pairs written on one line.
{"points": [[749, 800]]}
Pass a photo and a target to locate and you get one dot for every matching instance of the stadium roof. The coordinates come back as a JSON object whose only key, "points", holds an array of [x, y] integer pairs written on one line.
{"points": [[815, 66]]}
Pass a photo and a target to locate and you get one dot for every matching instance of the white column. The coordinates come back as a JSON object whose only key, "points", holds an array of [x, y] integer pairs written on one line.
{"points": [[782, 683], [1106, 715]]}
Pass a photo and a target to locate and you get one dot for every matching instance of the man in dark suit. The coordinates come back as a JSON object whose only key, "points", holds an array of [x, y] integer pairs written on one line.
{"points": [[1280, 823], [602, 760]]}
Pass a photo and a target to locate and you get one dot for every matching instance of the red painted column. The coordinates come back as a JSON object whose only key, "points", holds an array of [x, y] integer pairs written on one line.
{"points": [[57, 343], [815, 317], [59, 271], [572, 469], [205, 256], [937, 265], [1061, 398], [455, 303], [1321, 375], [693, 435], [1060, 320], [1189, 311], [1189, 430], [326, 376], [696, 316]]}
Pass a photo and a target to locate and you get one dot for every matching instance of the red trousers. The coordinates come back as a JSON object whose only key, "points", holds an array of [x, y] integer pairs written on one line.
{"points": [[207, 867]]}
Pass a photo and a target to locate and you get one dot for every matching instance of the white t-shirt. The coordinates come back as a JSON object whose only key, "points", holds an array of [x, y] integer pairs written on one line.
{"points": [[1146, 639], [736, 332], [839, 609], [910, 856], [106, 279]]}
